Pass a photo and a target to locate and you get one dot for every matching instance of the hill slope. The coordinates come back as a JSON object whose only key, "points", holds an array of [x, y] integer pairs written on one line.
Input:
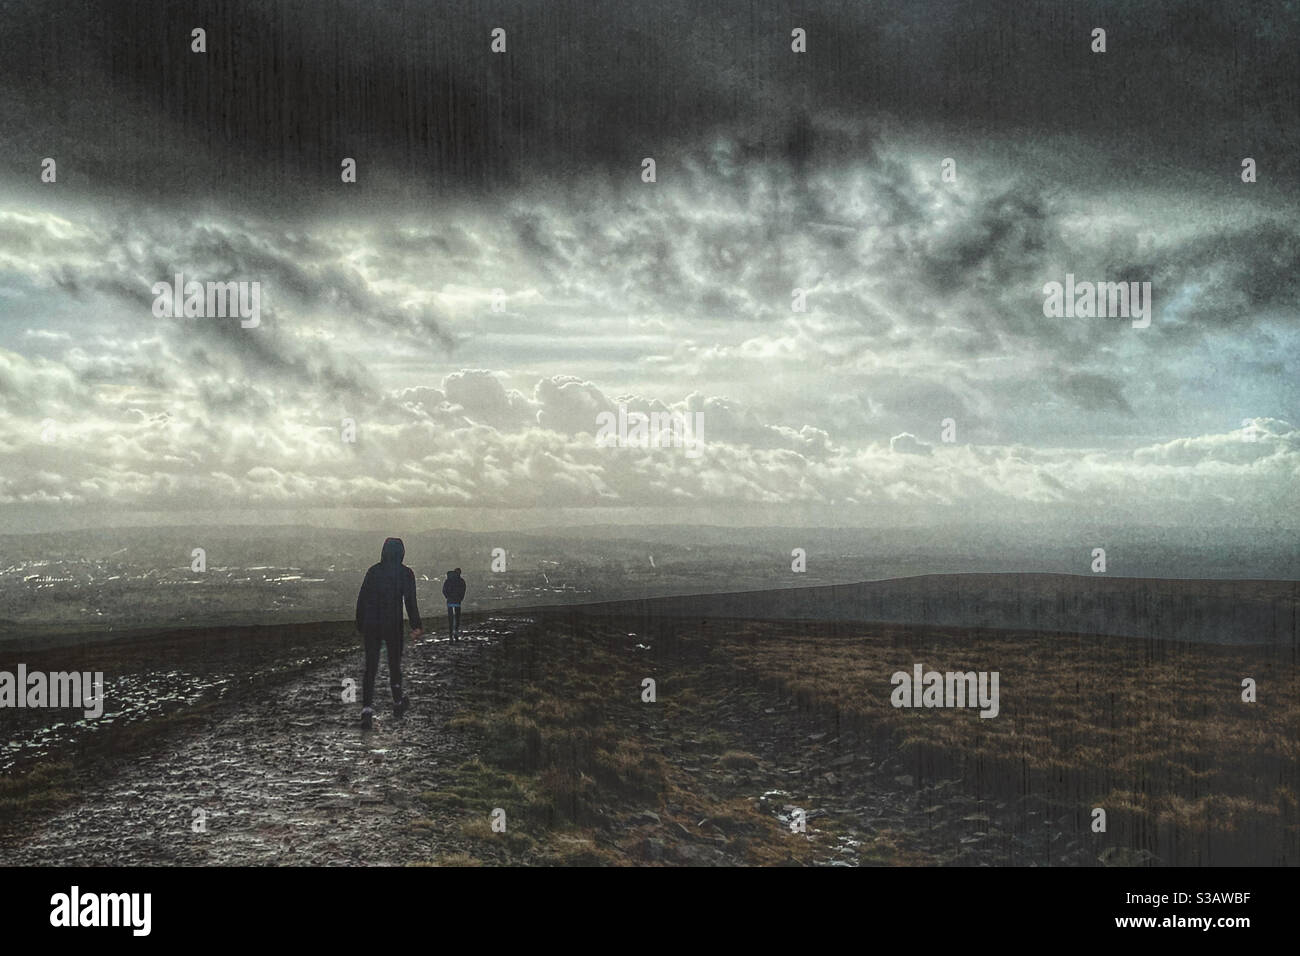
{"points": [[1212, 612]]}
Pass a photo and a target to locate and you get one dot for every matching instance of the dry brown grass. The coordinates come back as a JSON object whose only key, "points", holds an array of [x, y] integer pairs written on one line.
{"points": [[569, 750], [1157, 734]]}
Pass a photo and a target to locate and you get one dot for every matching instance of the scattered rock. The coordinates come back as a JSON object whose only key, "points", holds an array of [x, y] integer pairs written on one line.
{"points": [[695, 854], [1126, 856]]}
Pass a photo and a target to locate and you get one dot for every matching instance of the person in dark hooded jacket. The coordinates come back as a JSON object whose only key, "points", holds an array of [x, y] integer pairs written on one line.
{"points": [[387, 586], [453, 589]]}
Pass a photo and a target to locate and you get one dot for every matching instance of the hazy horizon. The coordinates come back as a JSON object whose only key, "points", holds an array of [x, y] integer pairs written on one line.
{"points": [[107, 580]]}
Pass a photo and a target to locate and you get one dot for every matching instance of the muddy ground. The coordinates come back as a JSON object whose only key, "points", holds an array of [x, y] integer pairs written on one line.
{"points": [[266, 766]]}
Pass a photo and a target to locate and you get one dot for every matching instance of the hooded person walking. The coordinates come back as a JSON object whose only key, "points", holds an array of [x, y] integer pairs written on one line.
{"points": [[387, 586], [453, 589]]}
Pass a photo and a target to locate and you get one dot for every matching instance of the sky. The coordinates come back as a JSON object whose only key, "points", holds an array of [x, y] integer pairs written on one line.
{"points": [[500, 274]]}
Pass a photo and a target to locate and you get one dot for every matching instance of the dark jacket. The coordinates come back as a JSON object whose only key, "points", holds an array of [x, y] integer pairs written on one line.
{"points": [[453, 589], [387, 586]]}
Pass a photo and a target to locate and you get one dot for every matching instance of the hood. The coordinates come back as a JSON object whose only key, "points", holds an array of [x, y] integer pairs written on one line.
{"points": [[394, 551], [453, 574]]}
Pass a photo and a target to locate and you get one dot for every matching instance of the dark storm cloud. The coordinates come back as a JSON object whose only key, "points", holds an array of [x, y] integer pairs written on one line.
{"points": [[1095, 393], [1235, 273], [1001, 240], [270, 356], [301, 280], [411, 90]]}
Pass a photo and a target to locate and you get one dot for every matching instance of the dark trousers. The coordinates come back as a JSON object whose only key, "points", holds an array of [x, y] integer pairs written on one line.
{"points": [[394, 644], [453, 619]]}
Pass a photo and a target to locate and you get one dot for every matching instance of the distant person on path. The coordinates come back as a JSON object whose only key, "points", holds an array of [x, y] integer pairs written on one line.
{"points": [[388, 585], [453, 589]]}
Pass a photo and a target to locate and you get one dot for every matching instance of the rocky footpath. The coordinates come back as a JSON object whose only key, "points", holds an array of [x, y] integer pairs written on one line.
{"points": [[285, 778]]}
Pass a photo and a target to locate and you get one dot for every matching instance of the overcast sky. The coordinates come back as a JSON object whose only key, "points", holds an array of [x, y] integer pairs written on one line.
{"points": [[775, 170]]}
